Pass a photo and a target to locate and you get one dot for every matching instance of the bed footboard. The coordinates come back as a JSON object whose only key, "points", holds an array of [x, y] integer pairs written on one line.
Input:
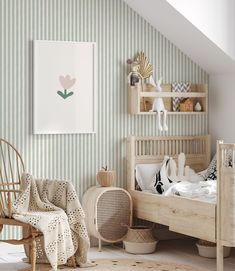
{"points": [[226, 193], [225, 222]]}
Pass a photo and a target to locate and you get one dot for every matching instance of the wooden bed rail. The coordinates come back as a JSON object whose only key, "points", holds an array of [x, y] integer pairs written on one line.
{"points": [[152, 149]]}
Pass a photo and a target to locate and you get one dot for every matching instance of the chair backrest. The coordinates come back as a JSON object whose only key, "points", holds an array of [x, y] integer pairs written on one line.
{"points": [[11, 169]]}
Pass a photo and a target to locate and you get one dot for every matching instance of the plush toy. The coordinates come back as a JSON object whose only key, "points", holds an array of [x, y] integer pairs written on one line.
{"points": [[134, 76], [158, 105], [182, 172]]}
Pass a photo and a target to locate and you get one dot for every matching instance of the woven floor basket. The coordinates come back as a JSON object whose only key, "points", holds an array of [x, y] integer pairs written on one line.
{"points": [[139, 234], [140, 240]]}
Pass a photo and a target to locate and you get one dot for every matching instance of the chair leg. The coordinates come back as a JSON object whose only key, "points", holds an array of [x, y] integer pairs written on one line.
{"points": [[28, 247], [29, 253], [33, 253]]}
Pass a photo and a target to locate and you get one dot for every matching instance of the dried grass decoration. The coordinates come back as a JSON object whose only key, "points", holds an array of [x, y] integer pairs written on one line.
{"points": [[145, 67]]}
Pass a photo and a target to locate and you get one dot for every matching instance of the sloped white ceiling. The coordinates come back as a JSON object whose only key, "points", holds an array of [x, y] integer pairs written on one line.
{"points": [[214, 18], [174, 26]]}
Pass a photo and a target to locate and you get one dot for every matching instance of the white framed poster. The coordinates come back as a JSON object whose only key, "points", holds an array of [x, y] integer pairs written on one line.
{"points": [[64, 87]]}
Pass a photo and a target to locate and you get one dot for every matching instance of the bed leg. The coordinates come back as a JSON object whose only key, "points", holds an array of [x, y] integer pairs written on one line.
{"points": [[219, 257]]}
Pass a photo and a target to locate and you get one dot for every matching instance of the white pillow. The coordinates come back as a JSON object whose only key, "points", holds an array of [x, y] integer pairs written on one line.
{"points": [[144, 174]]}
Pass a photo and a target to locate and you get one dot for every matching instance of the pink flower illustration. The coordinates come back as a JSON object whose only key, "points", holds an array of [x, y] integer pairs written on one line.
{"points": [[66, 81]]}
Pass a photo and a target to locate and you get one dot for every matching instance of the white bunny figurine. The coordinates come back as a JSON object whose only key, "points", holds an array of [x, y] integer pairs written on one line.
{"points": [[158, 105]]}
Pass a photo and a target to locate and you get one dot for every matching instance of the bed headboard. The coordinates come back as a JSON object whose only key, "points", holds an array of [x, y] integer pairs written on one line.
{"points": [[144, 150]]}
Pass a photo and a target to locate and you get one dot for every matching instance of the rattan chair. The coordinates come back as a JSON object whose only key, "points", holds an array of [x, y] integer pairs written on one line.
{"points": [[11, 168]]}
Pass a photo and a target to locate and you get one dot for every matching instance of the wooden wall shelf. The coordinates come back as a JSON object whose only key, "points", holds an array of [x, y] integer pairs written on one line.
{"points": [[137, 98]]}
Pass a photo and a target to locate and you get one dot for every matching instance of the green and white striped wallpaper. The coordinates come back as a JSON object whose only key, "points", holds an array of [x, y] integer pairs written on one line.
{"points": [[119, 33]]}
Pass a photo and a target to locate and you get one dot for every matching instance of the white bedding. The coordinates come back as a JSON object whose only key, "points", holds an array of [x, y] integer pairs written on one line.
{"points": [[203, 190], [194, 186]]}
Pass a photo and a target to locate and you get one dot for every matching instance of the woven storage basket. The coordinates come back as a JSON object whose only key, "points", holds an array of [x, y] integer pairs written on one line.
{"points": [[208, 249], [107, 209], [139, 240]]}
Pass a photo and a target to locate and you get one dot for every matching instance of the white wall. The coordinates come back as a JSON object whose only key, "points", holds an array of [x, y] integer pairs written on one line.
{"points": [[214, 18], [222, 108]]}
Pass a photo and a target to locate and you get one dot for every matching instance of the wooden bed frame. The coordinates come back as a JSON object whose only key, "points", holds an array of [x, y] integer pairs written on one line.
{"points": [[184, 215]]}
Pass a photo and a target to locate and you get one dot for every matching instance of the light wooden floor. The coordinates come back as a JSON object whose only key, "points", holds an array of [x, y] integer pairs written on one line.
{"points": [[178, 251]]}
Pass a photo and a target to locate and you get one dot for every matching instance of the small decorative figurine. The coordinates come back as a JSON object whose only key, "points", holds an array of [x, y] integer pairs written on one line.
{"points": [[198, 107], [186, 105], [141, 68], [106, 177], [158, 105], [134, 76]]}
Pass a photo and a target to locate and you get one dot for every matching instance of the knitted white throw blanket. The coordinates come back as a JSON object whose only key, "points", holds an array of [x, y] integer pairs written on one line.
{"points": [[53, 207]]}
